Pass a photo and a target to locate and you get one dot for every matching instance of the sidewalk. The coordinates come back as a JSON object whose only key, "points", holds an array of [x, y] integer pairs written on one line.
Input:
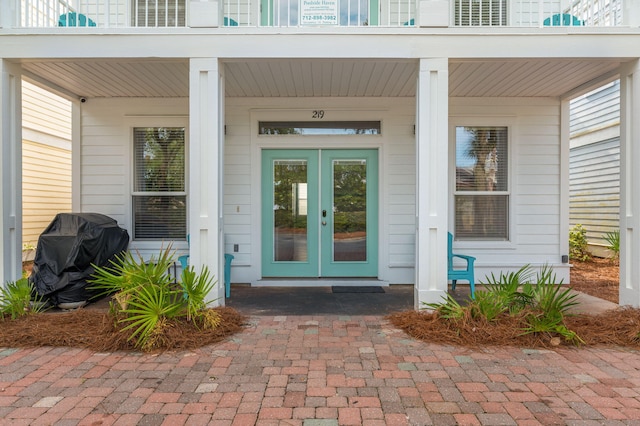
{"points": [[321, 370]]}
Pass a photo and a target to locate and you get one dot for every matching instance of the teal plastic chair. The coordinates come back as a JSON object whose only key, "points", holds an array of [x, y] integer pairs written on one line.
{"points": [[184, 262], [229, 22], [460, 274], [564, 20], [73, 19], [184, 259]]}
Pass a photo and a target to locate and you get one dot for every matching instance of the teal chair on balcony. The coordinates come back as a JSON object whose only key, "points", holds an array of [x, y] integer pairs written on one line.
{"points": [[73, 19], [459, 273], [229, 22], [562, 20]]}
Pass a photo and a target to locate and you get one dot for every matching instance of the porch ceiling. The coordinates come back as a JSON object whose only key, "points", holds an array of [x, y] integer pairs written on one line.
{"points": [[322, 78]]}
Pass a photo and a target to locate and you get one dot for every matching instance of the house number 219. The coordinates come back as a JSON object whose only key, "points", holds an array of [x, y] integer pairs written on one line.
{"points": [[318, 113]]}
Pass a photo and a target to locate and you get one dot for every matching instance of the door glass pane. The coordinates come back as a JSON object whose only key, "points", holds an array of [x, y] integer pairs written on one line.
{"points": [[290, 210], [349, 210]]}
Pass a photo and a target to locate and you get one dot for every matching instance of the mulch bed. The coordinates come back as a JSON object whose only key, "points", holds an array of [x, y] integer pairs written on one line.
{"points": [[597, 277], [95, 330], [619, 327]]}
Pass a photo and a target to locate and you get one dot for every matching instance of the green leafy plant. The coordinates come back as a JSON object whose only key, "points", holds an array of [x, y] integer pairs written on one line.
{"points": [[196, 288], [449, 309], [147, 299], [613, 242], [578, 245], [537, 298], [19, 298]]}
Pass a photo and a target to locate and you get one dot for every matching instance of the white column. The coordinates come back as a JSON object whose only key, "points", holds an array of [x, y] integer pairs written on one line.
{"points": [[76, 156], [11, 172], [206, 133], [630, 184], [432, 122], [7, 13], [565, 147], [631, 13]]}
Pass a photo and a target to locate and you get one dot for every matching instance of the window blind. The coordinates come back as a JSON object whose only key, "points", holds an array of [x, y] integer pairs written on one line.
{"points": [[482, 183], [159, 196]]}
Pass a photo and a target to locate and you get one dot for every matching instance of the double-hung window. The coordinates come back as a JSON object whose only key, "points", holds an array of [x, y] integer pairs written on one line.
{"points": [[481, 195], [159, 195]]}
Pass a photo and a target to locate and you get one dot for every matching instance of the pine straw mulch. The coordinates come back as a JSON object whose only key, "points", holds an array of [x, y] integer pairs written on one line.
{"points": [[94, 329], [597, 277], [618, 327]]}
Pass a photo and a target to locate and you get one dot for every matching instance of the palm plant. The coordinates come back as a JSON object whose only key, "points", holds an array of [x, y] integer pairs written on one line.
{"points": [[19, 298], [613, 242], [536, 297], [148, 299]]}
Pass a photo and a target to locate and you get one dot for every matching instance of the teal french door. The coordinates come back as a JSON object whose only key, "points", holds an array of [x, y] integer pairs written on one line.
{"points": [[320, 213]]}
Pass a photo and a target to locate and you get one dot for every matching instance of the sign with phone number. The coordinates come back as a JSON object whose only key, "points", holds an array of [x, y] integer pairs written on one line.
{"points": [[319, 12]]}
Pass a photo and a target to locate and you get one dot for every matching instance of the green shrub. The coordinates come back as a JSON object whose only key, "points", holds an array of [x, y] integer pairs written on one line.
{"points": [[538, 298], [19, 298], [578, 245], [613, 242], [147, 300]]}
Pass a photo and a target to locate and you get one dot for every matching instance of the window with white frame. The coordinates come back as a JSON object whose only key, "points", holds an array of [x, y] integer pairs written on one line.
{"points": [[159, 196], [481, 195]]}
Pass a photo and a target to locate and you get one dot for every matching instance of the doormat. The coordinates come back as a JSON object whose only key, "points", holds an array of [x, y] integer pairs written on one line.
{"points": [[357, 289]]}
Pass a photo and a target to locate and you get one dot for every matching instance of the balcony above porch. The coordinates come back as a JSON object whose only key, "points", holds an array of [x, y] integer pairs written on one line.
{"points": [[96, 15]]}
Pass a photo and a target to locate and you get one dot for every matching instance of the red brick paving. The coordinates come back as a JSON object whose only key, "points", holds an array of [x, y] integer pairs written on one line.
{"points": [[335, 370]]}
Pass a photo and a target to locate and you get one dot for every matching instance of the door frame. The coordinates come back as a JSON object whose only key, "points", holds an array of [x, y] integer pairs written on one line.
{"points": [[320, 243], [334, 110]]}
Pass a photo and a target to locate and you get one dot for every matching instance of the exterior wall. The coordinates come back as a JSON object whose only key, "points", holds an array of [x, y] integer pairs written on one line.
{"points": [[535, 174], [397, 177], [595, 164], [46, 156], [106, 155], [535, 183]]}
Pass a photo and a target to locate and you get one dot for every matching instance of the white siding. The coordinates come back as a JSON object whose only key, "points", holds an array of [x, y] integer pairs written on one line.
{"points": [[106, 154], [397, 181], [595, 164], [534, 178], [596, 110], [46, 160], [595, 188], [534, 182]]}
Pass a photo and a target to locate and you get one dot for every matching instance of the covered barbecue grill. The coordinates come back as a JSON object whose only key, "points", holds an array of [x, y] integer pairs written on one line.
{"points": [[66, 251]]}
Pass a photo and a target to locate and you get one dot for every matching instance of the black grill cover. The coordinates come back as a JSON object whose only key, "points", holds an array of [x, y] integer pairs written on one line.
{"points": [[66, 250]]}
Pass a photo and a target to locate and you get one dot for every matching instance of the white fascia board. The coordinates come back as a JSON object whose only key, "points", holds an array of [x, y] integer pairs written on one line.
{"points": [[460, 45]]}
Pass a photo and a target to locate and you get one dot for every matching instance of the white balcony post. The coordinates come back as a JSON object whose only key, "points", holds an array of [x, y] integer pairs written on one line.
{"points": [[630, 184], [432, 121], [433, 13], [206, 136], [205, 13], [10, 172], [631, 12], [8, 13]]}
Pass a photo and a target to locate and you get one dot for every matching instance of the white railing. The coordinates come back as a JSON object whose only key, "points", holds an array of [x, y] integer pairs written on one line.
{"points": [[537, 13], [318, 13]]}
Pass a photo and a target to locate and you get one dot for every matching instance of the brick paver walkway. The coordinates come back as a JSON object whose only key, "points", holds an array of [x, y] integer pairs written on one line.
{"points": [[325, 370]]}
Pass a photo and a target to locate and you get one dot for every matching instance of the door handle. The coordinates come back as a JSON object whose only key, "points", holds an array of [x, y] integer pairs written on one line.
{"points": [[324, 213], [324, 223]]}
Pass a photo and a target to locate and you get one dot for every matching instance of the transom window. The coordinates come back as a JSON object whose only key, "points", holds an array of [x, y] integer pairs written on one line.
{"points": [[319, 127], [482, 187], [159, 196]]}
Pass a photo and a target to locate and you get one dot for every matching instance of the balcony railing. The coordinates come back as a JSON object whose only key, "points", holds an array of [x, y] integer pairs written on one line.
{"points": [[315, 13]]}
